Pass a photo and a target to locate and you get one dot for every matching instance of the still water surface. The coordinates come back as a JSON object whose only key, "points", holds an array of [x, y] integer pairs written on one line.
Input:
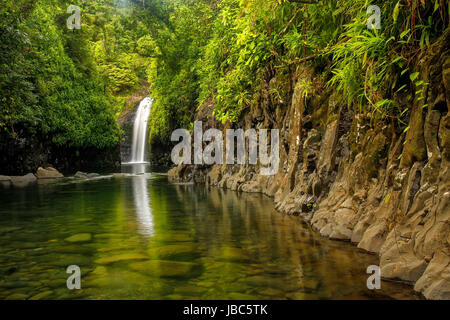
{"points": [[141, 237]]}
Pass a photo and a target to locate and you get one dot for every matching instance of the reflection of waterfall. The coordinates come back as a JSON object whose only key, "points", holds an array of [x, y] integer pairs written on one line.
{"points": [[142, 204], [140, 131]]}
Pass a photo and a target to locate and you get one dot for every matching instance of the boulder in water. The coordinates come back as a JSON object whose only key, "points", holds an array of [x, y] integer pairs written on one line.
{"points": [[5, 181], [48, 173], [81, 175], [23, 181], [84, 175]]}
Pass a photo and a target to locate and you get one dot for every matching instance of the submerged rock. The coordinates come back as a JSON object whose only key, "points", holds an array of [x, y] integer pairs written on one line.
{"points": [[173, 251], [120, 258], [272, 292], [189, 290], [233, 255], [103, 278], [66, 260], [17, 296], [81, 237], [175, 237], [42, 295], [163, 268], [240, 296]]}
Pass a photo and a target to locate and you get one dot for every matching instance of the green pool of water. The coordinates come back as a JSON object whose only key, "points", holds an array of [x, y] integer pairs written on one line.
{"points": [[141, 237]]}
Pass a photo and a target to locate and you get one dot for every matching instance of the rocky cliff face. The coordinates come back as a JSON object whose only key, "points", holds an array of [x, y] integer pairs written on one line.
{"points": [[127, 134], [356, 179]]}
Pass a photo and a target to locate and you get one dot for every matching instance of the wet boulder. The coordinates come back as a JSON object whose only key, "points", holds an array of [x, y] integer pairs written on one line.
{"points": [[81, 175], [48, 173], [23, 181], [5, 181]]}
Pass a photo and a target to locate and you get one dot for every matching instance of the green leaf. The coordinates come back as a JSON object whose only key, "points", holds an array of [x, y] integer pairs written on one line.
{"points": [[401, 88], [396, 12], [413, 76], [436, 6], [404, 33]]}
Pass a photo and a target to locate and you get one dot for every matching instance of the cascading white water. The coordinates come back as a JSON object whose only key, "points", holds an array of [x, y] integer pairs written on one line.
{"points": [[140, 131]]}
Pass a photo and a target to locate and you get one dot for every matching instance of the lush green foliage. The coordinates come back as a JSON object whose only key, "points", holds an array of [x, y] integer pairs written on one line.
{"points": [[69, 84], [214, 52], [200, 52]]}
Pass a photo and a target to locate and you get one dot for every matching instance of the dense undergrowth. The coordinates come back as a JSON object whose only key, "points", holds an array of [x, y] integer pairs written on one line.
{"points": [[246, 39], [69, 84]]}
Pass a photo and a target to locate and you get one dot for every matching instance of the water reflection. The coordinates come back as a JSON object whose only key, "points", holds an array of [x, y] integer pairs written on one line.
{"points": [[136, 168], [141, 197], [143, 207]]}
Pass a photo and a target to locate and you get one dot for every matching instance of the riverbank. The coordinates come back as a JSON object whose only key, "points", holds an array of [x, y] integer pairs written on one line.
{"points": [[353, 178]]}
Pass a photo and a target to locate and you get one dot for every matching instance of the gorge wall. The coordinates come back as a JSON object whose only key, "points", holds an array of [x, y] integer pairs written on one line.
{"points": [[351, 177]]}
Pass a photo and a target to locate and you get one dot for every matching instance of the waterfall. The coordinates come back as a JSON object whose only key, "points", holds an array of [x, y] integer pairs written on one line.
{"points": [[140, 131]]}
